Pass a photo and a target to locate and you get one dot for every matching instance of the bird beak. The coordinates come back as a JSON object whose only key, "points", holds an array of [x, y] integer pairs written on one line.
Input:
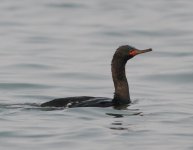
{"points": [[143, 51], [136, 51]]}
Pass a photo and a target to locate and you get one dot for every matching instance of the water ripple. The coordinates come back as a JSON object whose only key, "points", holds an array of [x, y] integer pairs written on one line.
{"points": [[66, 5], [185, 78], [16, 86]]}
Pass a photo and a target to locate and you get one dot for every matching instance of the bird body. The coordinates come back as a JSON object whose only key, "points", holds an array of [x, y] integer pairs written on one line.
{"points": [[79, 101], [121, 94]]}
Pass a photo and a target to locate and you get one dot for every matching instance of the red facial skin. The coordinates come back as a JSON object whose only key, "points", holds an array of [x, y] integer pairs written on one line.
{"points": [[133, 53]]}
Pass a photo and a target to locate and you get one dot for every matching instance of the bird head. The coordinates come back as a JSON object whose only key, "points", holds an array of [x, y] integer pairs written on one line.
{"points": [[129, 51]]}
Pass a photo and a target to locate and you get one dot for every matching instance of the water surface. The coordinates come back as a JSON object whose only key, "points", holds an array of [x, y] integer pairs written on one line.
{"points": [[59, 48]]}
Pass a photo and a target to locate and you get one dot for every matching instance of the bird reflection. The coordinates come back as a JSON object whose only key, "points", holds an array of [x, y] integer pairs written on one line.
{"points": [[119, 125]]}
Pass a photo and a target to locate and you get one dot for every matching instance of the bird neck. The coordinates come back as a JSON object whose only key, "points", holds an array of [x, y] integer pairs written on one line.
{"points": [[121, 95]]}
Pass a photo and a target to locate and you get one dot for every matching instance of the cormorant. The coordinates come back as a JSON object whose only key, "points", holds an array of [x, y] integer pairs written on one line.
{"points": [[121, 95]]}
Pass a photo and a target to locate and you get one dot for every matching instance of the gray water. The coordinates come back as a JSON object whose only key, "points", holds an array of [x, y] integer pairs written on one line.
{"points": [[58, 48]]}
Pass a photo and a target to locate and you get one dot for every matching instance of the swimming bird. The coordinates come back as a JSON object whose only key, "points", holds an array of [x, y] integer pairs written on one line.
{"points": [[121, 94]]}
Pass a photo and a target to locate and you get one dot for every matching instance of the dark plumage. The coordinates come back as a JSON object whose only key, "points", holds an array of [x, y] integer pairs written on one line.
{"points": [[121, 95]]}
